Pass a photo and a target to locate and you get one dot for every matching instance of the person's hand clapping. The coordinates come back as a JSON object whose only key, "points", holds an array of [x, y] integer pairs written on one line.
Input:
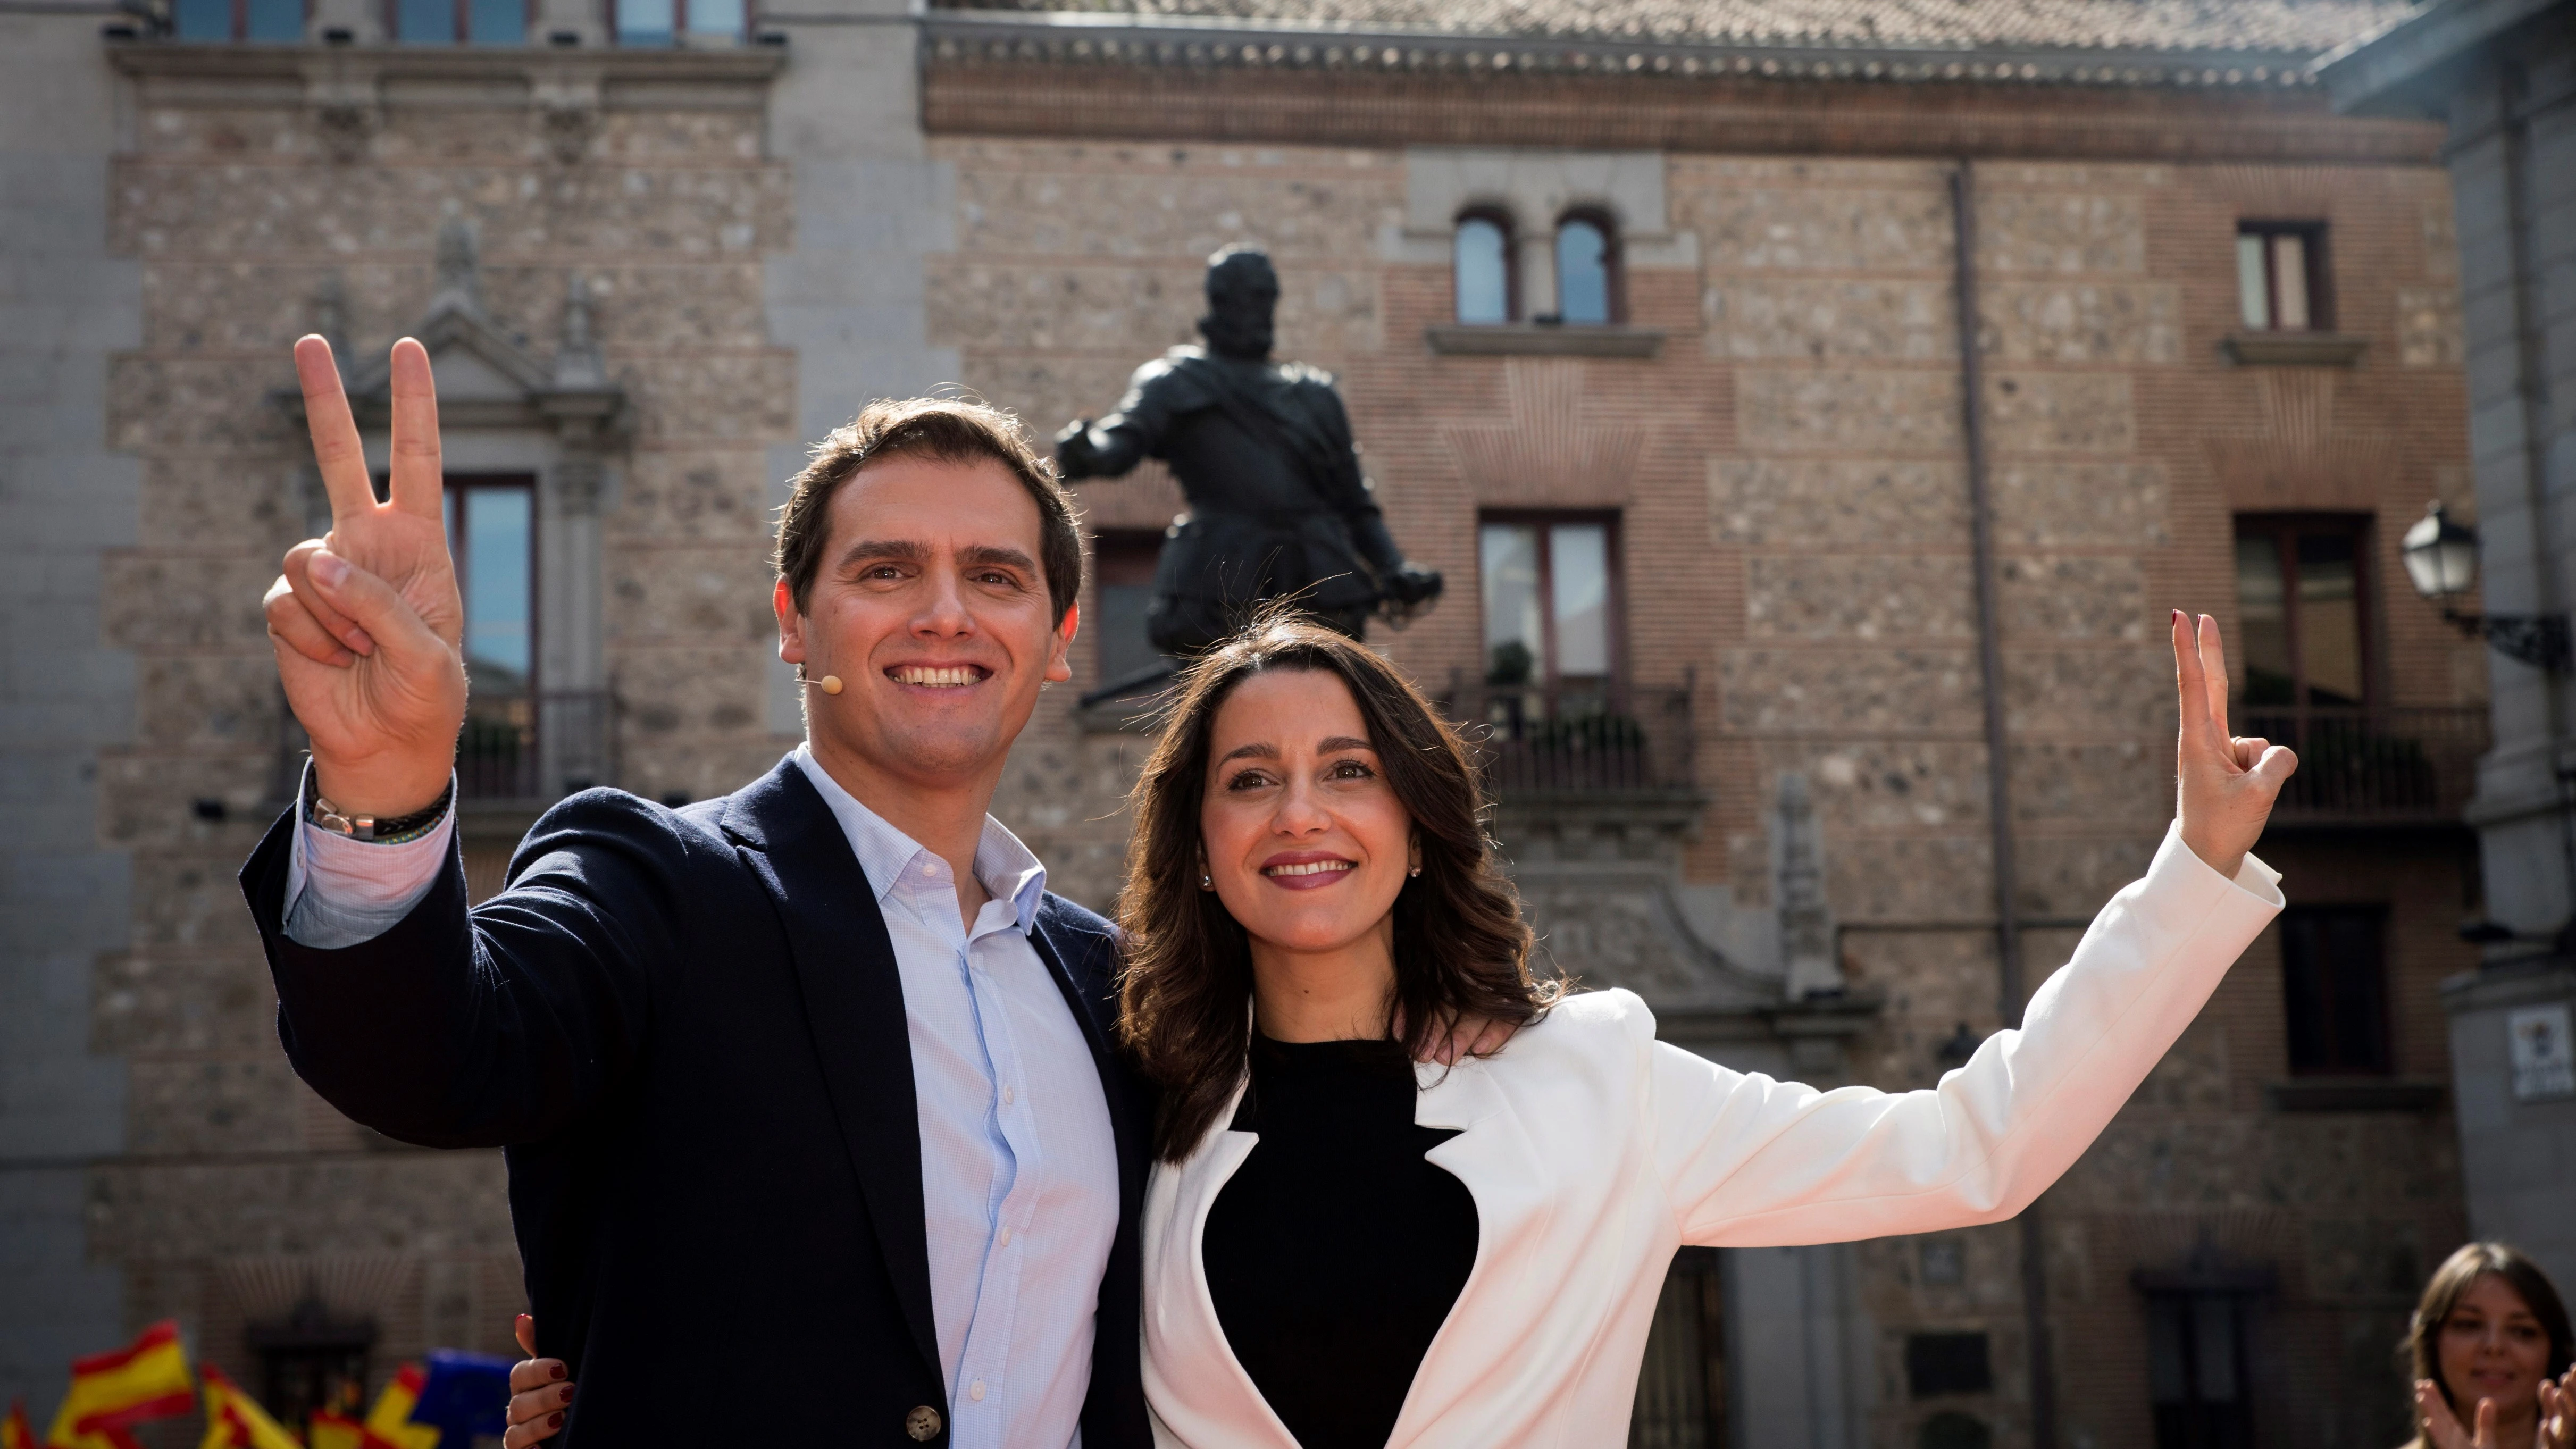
{"points": [[540, 1392], [2226, 783], [366, 622]]}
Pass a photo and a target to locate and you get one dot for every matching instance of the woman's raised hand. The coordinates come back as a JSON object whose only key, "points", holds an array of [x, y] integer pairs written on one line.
{"points": [[2226, 784], [2558, 1412], [540, 1392], [365, 621]]}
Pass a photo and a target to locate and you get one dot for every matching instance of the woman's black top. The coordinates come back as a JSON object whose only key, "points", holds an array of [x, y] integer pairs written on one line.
{"points": [[1334, 1253]]}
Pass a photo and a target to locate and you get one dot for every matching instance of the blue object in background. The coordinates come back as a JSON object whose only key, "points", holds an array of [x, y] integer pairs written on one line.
{"points": [[465, 1394]]}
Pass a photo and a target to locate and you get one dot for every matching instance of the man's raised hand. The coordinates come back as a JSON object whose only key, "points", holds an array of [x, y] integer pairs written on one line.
{"points": [[365, 621], [2226, 783]]}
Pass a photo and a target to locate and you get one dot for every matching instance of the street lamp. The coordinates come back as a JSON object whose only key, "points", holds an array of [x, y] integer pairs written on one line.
{"points": [[2441, 560]]}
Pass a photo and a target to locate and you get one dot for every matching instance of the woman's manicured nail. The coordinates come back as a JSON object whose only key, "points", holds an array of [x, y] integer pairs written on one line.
{"points": [[567, 1393], [555, 1421], [559, 1373]]}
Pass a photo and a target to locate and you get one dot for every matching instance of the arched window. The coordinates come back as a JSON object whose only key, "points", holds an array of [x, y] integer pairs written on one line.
{"points": [[1587, 270], [1484, 266]]}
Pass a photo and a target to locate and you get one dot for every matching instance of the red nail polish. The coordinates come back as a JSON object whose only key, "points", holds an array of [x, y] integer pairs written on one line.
{"points": [[559, 1371], [555, 1421]]}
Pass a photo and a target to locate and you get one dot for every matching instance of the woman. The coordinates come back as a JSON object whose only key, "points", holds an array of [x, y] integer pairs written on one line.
{"points": [[2490, 1343], [1349, 1244]]}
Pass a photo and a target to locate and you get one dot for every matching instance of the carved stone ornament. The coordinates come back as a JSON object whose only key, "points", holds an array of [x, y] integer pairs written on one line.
{"points": [[568, 128], [488, 380], [345, 128]]}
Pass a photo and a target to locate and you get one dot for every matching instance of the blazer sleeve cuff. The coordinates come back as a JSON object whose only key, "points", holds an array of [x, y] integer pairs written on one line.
{"points": [[2178, 868]]}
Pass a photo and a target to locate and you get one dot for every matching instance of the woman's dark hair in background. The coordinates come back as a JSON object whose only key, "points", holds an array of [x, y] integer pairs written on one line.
{"points": [[1185, 997], [2452, 1281]]}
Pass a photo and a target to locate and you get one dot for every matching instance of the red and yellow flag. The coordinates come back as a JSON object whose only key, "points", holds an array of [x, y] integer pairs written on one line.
{"points": [[389, 1424], [335, 1431], [14, 1433], [146, 1379], [234, 1420]]}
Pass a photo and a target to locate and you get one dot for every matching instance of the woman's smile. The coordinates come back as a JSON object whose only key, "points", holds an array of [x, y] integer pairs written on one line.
{"points": [[1306, 870]]}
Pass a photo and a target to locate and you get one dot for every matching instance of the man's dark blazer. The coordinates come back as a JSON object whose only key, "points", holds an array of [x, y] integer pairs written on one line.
{"points": [[687, 1028]]}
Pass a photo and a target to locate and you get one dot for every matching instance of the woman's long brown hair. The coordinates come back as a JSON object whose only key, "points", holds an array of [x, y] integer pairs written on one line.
{"points": [[2450, 1283], [1185, 995]]}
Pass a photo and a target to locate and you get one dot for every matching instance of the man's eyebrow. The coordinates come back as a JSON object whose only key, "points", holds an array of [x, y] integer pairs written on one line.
{"points": [[987, 553], [902, 548], [1258, 750]]}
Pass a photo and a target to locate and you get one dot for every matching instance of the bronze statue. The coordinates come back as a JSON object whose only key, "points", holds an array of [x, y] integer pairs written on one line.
{"points": [[1263, 450]]}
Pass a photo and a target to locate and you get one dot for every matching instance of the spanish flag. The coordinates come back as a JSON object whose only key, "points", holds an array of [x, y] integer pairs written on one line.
{"points": [[335, 1431], [234, 1420], [14, 1433], [389, 1424], [146, 1379]]}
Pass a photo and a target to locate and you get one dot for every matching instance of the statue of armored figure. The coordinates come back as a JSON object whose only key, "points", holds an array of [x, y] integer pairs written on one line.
{"points": [[1278, 505]]}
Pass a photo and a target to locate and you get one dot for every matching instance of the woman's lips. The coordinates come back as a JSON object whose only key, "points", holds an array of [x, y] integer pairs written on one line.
{"points": [[1308, 875]]}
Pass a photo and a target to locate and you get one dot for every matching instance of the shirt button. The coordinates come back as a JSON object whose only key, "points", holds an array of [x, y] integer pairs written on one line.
{"points": [[1008, 1094], [975, 1391], [1006, 1237]]}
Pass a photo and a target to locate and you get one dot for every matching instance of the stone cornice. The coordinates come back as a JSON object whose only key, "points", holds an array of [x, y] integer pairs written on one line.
{"points": [[539, 68], [1001, 87], [1091, 37]]}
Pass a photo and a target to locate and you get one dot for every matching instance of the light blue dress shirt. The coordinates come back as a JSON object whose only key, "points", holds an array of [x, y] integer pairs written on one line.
{"points": [[1019, 1165]]}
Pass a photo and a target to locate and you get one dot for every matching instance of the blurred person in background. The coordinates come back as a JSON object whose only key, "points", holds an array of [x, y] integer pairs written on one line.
{"points": [[2490, 1348]]}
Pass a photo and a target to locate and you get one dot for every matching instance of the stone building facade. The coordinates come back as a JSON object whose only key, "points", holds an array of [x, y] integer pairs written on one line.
{"points": [[2504, 83], [1784, 450]]}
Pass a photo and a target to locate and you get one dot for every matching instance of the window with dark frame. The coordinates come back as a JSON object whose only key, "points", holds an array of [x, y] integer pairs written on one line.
{"points": [[2281, 279], [1551, 599], [1122, 580], [1481, 257], [1587, 270], [2196, 1371], [277, 22], [459, 22], [492, 534], [667, 22], [1681, 1384], [2303, 590], [2334, 991]]}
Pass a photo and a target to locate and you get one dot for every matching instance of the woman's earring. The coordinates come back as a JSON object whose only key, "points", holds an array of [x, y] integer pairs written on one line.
{"points": [[1206, 882], [1417, 870]]}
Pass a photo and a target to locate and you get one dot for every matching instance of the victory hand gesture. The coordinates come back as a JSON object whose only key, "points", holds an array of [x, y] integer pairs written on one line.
{"points": [[2227, 783], [365, 621]]}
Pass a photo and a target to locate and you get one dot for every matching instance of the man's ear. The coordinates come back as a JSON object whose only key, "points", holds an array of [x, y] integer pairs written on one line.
{"points": [[791, 624], [1060, 653]]}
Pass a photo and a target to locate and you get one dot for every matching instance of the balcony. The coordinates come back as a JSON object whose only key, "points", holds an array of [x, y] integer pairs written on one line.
{"points": [[2374, 767], [521, 753], [1569, 740]]}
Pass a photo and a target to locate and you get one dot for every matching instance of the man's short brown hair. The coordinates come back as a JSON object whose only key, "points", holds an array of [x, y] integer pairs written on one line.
{"points": [[952, 430]]}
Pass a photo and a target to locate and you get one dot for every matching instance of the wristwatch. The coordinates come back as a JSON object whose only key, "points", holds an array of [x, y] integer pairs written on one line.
{"points": [[380, 832]]}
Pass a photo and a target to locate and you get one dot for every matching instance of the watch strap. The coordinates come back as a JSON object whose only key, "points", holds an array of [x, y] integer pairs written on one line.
{"points": [[394, 831]]}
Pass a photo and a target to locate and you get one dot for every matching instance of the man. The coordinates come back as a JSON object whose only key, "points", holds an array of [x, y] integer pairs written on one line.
{"points": [[815, 1076], [1263, 451]]}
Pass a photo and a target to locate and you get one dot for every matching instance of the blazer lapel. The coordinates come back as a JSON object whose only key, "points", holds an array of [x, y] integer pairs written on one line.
{"points": [[853, 995], [1091, 1012], [1493, 1155]]}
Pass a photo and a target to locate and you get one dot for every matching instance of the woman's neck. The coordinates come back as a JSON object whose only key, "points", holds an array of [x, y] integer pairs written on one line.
{"points": [[1339, 995]]}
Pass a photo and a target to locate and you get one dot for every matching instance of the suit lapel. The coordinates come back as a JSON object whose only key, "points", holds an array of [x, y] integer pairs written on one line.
{"points": [[853, 994], [1091, 1012]]}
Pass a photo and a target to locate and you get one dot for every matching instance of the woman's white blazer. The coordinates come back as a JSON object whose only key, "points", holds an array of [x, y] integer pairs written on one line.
{"points": [[1593, 1151]]}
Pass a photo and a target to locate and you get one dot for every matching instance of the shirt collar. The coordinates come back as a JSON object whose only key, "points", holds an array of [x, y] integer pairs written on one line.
{"points": [[1008, 869]]}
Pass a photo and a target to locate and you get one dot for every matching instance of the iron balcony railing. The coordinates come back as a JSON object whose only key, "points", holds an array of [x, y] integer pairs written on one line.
{"points": [[1576, 738], [2361, 765], [536, 749]]}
